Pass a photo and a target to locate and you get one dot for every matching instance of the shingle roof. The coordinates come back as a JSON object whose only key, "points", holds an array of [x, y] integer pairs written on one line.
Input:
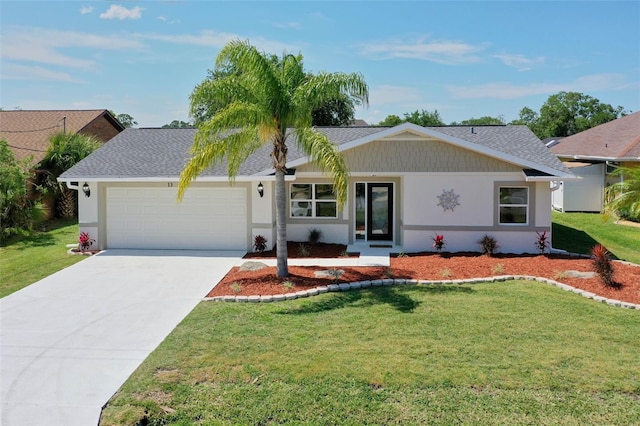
{"points": [[28, 131], [616, 139], [159, 153]]}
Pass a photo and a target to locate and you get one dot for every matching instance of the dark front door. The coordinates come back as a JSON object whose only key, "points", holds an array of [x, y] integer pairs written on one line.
{"points": [[380, 211]]}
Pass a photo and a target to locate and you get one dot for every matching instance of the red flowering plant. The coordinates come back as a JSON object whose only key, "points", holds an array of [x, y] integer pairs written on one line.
{"points": [[542, 242], [438, 242], [85, 241]]}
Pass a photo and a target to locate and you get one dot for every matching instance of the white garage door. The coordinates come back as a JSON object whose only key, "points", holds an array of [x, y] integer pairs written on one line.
{"points": [[151, 218]]}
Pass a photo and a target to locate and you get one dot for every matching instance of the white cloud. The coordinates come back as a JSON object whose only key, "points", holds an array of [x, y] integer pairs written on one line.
{"points": [[45, 46], [85, 10], [502, 90], [439, 51], [288, 25], [387, 94], [11, 71], [519, 62], [116, 11], [216, 39]]}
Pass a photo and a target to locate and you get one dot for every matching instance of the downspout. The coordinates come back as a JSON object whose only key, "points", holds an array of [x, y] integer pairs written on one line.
{"points": [[71, 185], [555, 185]]}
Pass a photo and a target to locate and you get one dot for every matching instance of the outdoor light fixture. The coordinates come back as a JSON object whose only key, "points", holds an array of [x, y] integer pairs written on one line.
{"points": [[86, 190], [261, 189]]}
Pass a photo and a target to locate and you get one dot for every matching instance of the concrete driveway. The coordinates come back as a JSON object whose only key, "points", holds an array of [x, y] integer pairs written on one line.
{"points": [[69, 341]]}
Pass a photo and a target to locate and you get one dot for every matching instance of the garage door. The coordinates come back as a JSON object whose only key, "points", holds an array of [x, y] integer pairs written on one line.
{"points": [[151, 218]]}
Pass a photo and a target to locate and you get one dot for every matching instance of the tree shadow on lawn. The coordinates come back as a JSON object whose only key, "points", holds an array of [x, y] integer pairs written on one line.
{"points": [[396, 297], [573, 240], [41, 235]]}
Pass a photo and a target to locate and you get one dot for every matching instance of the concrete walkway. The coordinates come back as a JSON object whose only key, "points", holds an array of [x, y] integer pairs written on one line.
{"points": [[69, 341]]}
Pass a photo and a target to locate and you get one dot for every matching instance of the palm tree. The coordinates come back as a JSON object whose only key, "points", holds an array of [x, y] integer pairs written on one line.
{"points": [[624, 196], [65, 150], [267, 102]]}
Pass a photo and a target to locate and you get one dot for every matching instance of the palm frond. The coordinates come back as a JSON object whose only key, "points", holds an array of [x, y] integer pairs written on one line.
{"points": [[326, 156], [624, 195], [326, 86]]}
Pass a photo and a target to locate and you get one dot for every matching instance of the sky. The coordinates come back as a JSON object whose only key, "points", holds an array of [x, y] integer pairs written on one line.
{"points": [[464, 59]]}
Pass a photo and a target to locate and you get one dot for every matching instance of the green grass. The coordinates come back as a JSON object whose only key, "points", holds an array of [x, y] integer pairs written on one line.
{"points": [[497, 353], [28, 260], [579, 232]]}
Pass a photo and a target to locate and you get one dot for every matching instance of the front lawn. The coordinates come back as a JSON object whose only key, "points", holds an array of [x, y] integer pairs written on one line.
{"points": [[26, 261], [579, 232], [514, 352]]}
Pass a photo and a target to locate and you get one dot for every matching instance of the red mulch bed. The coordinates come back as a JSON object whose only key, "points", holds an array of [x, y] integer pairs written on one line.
{"points": [[430, 266]]}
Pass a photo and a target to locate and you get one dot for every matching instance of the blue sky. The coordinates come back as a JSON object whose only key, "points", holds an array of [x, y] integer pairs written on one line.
{"points": [[465, 59]]}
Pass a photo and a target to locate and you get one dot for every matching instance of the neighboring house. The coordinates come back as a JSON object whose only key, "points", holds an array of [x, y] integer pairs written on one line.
{"points": [[407, 184], [593, 155], [27, 131]]}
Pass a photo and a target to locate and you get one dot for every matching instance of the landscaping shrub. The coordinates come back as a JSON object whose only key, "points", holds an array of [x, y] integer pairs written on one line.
{"points": [[488, 245], [438, 242], [542, 241], [259, 243], [315, 235], [602, 265]]}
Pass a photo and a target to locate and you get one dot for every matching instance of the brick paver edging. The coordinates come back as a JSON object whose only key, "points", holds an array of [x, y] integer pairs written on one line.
{"points": [[392, 282]]}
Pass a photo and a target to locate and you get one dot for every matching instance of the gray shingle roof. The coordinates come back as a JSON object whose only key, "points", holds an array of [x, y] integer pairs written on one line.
{"points": [[158, 153]]}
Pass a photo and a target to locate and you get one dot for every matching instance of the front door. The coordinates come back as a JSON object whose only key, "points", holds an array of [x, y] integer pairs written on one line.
{"points": [[380, 211]]}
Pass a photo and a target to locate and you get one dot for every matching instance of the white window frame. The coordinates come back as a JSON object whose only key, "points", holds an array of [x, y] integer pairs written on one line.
{"points": [[313, 202], [525, 205]]}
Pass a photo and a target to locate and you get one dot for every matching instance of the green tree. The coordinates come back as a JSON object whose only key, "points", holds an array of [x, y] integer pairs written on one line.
{"points": [[419, 117], [391, 120], [65, 150], [177, 124], [17, 210], [482, 121], [567, 113], [125, 119], [338, 111], [623, 197], [268, 102]]}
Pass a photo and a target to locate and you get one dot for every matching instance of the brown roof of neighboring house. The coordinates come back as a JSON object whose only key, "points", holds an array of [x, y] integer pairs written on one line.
{"points": [[28, 131], [616, 140]]}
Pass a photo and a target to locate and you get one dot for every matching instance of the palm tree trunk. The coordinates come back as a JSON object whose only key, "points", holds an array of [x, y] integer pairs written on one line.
{"points": [[66, 202], [281, 225]]}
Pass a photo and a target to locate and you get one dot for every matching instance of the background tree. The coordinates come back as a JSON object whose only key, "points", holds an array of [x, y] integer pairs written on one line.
{"points": [[125, 119], [482, 121], [338, 111], [420, 117], [65, 150], [568, 113], [177, 124], [17, 211], [267, 102], [623, 198]]}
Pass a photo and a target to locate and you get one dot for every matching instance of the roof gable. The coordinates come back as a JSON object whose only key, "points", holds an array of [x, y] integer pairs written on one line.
{"points": [[616, 140]]}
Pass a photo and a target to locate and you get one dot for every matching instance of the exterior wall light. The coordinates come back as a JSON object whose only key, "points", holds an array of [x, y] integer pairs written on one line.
{"points": [[261, 189], [86, 190]]}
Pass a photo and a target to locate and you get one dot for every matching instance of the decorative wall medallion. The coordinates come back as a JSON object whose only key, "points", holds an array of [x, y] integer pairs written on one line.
{"points": [[448, 200]]}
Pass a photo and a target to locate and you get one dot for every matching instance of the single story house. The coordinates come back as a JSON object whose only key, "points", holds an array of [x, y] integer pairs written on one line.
{"points": [[407, 183], [593, 155]]}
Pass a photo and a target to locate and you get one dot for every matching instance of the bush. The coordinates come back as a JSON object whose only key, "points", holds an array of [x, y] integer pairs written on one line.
{"points": [[259, 243], [602, 265], [17, 211], [488, 245], [438, 242], [315, 235], [542, 242]]}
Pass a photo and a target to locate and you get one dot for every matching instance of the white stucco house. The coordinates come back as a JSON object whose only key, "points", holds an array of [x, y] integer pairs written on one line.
{"points": [[594, 155], [407, 183]]}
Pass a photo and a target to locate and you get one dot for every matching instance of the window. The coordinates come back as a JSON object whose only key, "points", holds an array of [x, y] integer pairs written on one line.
{"points": [[514, 205], [313, 200]]}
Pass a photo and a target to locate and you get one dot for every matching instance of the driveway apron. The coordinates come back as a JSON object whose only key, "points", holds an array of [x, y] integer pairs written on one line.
{"points": [[69, 341]]}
